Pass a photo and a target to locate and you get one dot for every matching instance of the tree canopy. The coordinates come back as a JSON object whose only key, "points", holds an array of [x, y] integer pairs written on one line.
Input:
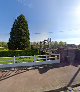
{"points": [[19, 35]]}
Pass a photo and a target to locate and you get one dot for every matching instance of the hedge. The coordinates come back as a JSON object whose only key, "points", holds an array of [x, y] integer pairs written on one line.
{"points": [[11, 53]]}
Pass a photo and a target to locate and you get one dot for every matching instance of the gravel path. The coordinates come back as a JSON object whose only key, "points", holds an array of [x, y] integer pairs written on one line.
{"points": [[40, 80]]}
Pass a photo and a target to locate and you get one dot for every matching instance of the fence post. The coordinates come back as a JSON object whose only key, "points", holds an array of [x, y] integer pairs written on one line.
{"points": [[46, 57], [34, 58], [14, 59], [55, 57], [59, 58]]}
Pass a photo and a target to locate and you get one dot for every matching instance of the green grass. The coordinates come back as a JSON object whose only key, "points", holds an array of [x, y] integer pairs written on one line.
{"points": [[25, 60], [4, 60]]}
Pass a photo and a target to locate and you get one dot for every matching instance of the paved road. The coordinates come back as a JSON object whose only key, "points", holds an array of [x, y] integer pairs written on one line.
{"points": [[40, 80]]}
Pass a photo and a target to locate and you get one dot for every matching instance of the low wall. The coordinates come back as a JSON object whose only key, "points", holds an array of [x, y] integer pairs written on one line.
{"points": [[69, 55]]}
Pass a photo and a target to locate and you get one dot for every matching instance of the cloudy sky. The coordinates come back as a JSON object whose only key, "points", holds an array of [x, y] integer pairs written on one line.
{"points": [[56, 19]]}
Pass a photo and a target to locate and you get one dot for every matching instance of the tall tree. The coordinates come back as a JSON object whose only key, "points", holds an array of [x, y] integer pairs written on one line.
{"points": [[19, 35]]}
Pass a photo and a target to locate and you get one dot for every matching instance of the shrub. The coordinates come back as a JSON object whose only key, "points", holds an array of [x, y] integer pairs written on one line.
{"points": [[11, 53]]}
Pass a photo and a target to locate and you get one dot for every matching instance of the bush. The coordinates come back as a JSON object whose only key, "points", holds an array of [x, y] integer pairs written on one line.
{"points": [[11, 53]]}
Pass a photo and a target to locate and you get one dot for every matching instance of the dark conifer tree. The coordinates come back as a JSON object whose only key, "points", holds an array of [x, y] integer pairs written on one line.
{"points": [[19, 35]]}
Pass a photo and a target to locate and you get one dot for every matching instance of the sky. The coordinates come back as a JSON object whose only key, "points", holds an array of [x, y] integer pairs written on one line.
{"points": [[55, 19]]}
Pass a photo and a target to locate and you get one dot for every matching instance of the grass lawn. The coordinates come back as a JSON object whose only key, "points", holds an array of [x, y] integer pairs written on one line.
{"points": [[9, 60], [6, 60]]}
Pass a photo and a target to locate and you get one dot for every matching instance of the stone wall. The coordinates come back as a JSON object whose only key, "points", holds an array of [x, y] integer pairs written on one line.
{"points": [[67, 55]]}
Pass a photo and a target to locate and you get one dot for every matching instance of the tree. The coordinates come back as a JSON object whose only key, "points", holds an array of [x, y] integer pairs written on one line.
{"points": [[19, 35], [62, 44], [55, 45], [3, 44]]}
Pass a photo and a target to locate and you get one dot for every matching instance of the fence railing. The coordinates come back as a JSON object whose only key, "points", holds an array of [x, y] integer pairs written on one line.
{"points": [[35, 58], [16, 61]]}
